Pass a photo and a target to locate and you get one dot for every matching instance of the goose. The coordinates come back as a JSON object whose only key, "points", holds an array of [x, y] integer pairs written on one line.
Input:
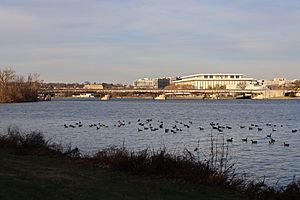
{"points": [[228, 127], [65, 125], [271, 141], [270, 135], [250, 128], [166, 130], [273, 129], [229, 139], [139, 130], [294, 131], [196, 149], [201, 128], [245, 139], [286, 145], [259, 129], [242, 126], [253, 141]]}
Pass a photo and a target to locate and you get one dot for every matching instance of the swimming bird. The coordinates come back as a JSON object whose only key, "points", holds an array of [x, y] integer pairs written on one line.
{"points": [[259, 129], [271, 141], [139, 129], [294, 130], [65, 125], [201, 128], [229, 139], [273, 129], [166, 130], [270, 135], [242, 126], [245, 139], [250, 128], [286, 145], [228, 127], [253, 141]]}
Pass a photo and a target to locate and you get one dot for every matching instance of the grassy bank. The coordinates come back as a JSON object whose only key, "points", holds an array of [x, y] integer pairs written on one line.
{"points": [[47, 176], [32, 168]]}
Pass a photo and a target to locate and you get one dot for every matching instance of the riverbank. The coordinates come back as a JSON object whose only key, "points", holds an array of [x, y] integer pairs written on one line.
{"points": [[49, 176], [33, 168]]}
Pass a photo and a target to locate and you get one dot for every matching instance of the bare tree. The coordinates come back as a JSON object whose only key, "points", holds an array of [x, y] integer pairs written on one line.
{"points": [[17, 88]]}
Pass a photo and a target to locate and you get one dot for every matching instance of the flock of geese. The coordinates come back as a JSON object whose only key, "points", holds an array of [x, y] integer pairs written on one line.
{"points": [[179, 126]]}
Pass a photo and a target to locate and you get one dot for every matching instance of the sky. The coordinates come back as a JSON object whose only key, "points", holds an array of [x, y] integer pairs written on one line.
{"points": [[118, 41]]}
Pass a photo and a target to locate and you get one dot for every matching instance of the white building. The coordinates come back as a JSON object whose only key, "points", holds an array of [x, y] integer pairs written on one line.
{"points": [[151, 83], [216, 81], [93, 87]]}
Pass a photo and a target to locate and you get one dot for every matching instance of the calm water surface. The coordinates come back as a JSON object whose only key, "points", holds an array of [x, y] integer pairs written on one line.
{"points": [[275, 161]]}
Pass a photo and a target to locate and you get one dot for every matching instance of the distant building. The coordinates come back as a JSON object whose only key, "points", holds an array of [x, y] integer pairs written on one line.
{"points": [[215, 81], [151, 83], [93, 87], [277, 82]]}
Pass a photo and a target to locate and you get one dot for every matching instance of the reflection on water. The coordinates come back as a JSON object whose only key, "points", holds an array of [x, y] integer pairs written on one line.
{"points": [[120, 122]]}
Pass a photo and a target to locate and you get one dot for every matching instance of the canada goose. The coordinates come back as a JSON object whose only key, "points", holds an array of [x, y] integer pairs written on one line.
{"points": [[229, 139], [228, 127], [273, 129], [250, 128], [242, 126], [98, 128], [196, 149], [161, 126], [201, 128], [220, 130], [80, 125], [270, 135], [65, 125], [256, 125], [286, 145], [139, 130], [253, 141], [294, 131], [271, 141], [245, 139], [259, 129], [166, 130]]}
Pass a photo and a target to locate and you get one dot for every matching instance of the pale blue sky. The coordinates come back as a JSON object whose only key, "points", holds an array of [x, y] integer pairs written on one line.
{"points": [[122, 40]]}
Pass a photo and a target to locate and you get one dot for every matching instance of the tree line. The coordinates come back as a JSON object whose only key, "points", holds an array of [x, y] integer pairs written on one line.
{"points": [[18, 88]]}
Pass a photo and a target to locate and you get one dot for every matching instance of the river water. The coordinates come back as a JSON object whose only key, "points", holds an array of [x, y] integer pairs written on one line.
{"points": [[278, 164]]}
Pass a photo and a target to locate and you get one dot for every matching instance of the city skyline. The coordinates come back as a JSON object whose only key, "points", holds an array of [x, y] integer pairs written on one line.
{"points": [[120, 41]]}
